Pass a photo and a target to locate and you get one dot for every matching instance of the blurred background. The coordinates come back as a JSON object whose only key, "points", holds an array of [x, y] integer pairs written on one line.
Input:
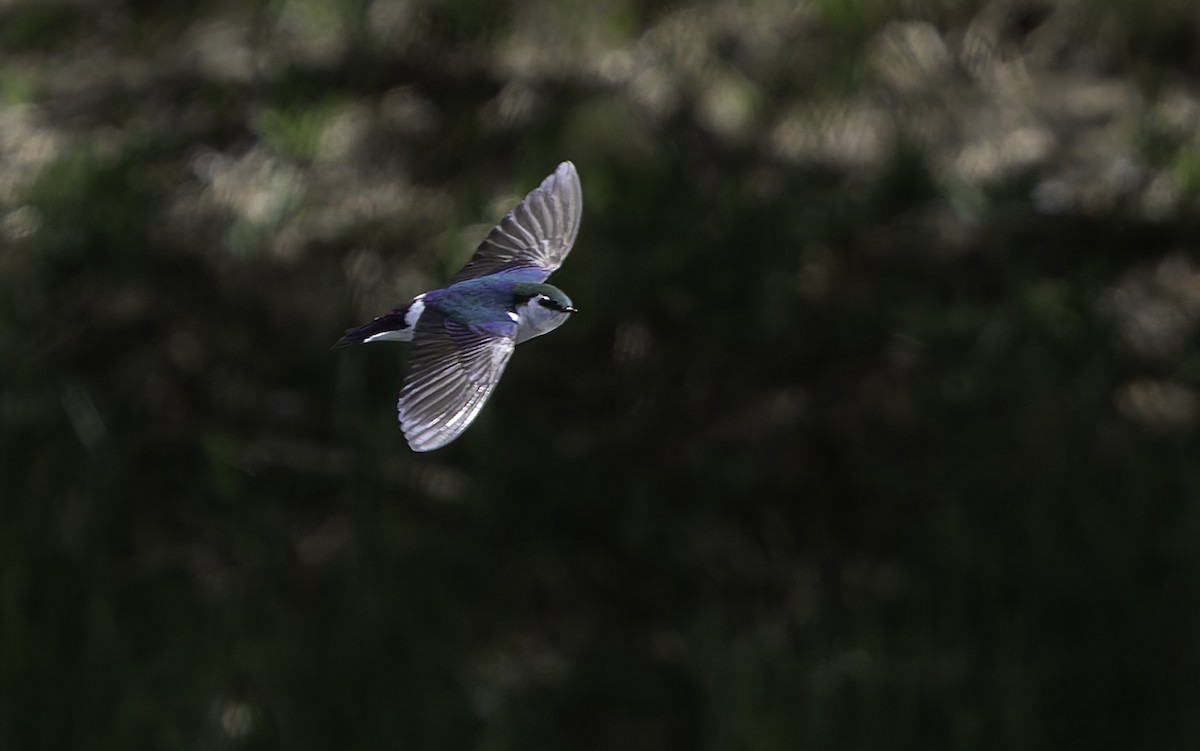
{"points": [[877, 429]]}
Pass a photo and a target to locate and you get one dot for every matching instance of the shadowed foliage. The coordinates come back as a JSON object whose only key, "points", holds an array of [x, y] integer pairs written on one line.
{"points": [[877, 427]]}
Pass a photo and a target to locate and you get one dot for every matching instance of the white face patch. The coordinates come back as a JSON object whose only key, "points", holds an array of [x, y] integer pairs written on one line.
{"points": [[534, 319]]}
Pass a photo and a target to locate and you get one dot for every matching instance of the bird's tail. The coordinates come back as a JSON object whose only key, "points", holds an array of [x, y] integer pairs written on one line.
{"points": [[396, 326]]}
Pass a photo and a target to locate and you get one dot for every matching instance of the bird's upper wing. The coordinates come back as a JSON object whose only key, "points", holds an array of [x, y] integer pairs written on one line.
{"points": [[537, 234], [452, 371]]}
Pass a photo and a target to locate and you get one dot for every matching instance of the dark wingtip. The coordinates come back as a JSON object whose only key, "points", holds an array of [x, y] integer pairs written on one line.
{"points": [[354, 336]]}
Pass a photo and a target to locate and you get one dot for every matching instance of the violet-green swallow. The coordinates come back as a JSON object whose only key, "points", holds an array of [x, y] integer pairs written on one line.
{"points": [[464, 333]]}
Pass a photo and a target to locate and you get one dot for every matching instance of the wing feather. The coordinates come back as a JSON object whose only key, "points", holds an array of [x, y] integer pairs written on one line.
{"points": [[451, 373], [538, 233]]}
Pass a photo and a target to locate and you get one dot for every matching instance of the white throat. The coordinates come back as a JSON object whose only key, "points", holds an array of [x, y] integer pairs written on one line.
{"points": [[534, 320]]}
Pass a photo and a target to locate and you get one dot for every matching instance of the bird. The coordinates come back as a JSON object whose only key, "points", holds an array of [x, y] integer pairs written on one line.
{"points": [[464, 334]]}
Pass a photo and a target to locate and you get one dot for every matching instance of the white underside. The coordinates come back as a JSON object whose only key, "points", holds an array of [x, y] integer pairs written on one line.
{"points": [[391, 336]]}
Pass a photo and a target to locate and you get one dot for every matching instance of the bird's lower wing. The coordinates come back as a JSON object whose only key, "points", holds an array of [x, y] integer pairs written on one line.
{"points": [[452, 371]]}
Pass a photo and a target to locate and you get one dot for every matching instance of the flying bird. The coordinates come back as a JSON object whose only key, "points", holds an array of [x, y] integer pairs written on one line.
{"points": [[464, 333]]}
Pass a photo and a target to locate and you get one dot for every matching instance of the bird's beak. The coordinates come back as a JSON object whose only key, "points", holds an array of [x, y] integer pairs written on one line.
{"points": [[571, 309]]}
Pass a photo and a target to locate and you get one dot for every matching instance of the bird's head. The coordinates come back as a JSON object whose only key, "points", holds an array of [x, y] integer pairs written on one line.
{"points": [[540, 308]]}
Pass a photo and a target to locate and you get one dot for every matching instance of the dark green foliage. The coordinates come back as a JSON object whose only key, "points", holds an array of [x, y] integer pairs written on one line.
{"points": [[840, 452]]}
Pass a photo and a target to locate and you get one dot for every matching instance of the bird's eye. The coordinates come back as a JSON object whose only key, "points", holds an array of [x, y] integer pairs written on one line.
{"points": [[551, 303]]}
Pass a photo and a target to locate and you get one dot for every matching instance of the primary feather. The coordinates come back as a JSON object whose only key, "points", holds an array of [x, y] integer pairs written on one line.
{"points": [[453, 370], [537, 234]]}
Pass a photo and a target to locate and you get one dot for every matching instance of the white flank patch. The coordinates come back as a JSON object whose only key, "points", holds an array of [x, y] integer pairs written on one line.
{"points": [[415, 309]]}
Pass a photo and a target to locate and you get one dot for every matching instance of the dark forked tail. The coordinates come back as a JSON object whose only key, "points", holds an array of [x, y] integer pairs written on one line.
{"points": [[396, 326]]}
